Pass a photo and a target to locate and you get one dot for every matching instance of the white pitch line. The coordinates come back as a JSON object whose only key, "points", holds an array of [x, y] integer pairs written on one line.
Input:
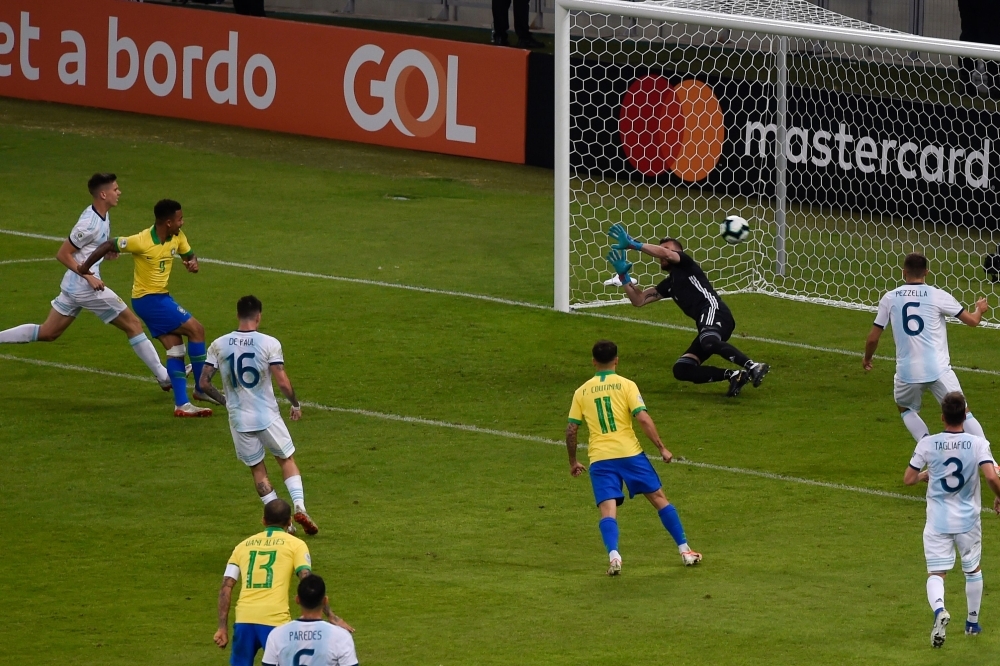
{"points": [[521, 304], [506, 434], [375, 283], [26, 234], [796, 479], [25, 261]]}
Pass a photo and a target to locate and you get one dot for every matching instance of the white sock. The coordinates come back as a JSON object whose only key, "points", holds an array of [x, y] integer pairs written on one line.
{"points": [[145, 350], [683, 548], [915, 424], [270, 497], [972, 426], [935, 592], [22, 333], [614, 555], [974, 594], [294, 485]]}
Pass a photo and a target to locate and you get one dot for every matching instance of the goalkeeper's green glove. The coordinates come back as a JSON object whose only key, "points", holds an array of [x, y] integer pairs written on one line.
{"points": [[621, 265], [625, 242]]}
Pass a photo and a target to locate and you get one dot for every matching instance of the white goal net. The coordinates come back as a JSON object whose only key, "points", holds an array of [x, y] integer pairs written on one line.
{"points": [[845, 145]]}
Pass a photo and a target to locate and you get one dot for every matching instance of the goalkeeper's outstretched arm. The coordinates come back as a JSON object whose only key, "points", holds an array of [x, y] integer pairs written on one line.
{"points": [[640, 297], [626, 242], [660, 252]]}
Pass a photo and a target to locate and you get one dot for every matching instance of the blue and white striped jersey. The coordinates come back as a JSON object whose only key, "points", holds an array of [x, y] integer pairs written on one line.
{"points": [[89, 231], [917, 313], [953, 489], [312, 642], [244, 359]]}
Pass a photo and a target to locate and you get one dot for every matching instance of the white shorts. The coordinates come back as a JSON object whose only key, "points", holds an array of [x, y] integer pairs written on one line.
{"points": [[105, 304], [250, 446], [910, 395], [939, 549]]}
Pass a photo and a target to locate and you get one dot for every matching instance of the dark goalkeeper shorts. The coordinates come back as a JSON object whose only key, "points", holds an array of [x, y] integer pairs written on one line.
{"points": [[715, 322]]}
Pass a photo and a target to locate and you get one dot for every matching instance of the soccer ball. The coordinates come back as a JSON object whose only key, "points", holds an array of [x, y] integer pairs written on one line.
{"points": [[734, 229]]}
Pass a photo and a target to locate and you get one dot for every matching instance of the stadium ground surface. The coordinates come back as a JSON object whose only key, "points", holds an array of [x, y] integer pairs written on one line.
{"points": [[442, 545]]}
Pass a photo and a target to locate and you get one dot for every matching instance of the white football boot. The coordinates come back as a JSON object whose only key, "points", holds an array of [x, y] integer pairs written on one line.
{"points": [[187, 410], [690, 558], [941, 621]]}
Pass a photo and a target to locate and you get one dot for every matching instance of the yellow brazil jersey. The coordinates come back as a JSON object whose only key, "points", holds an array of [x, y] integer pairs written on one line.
{"points": [[153, 259], [267, 562], [607, 403]]}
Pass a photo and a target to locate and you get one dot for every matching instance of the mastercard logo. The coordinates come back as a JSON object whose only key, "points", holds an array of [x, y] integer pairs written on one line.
{"points": [[677, 128]]}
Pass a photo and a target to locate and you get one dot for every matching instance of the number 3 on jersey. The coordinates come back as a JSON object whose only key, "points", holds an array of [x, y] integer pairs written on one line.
{"points": [[957, 474], [918, 322], [238, 372]]}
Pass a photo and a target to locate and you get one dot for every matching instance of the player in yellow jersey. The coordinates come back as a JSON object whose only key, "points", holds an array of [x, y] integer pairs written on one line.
{"points": [[267, 562], [154, 250], [607, 403]]}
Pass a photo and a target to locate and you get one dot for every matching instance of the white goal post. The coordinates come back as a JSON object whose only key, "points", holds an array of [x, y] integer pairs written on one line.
{"points": [[846, 146]]}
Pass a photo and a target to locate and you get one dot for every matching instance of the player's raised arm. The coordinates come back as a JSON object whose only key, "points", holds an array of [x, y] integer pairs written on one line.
{"points": [[976, 316], [328, 613], [626, 242], [622, 266], [641, 297], [285, 386]]}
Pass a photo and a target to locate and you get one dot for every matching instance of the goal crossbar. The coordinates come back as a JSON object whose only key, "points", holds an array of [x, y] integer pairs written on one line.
{"points": [[874, 38], [667, 13]]}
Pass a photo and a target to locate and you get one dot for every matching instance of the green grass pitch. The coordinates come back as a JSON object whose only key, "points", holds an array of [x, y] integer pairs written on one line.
{"points": [[440, 545]]}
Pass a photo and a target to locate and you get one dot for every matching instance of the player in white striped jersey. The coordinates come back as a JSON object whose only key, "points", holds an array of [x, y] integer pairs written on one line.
{"points": [[917, 313], [953, 460], [310, 639], [247, 360], [78, 292]]}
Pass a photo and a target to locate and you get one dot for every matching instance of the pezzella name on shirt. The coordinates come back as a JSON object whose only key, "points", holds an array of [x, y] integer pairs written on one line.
{"points": [[915, 293], [953, 445]]}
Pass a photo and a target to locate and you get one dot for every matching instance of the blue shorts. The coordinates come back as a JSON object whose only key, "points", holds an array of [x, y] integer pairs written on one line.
{"points": [[635, 472], [160, 312], [247, 639]]}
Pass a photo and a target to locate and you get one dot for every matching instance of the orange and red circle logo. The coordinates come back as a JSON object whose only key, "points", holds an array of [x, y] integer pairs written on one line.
{"points": [[677, 128]]}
